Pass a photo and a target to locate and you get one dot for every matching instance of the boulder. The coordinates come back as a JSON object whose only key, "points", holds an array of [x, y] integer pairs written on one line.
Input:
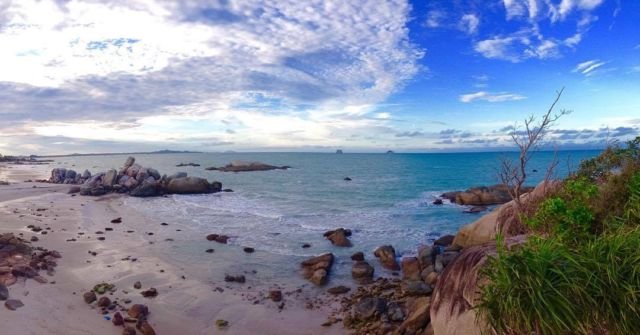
{"points": [[362, 272], [456, 293], [338, 237], [504, 219], [410, 268], [482, 195], [358, 256], [425, 256], [387, 256], [176, 175], [133, 170], [86, 174], [418, 316], [110, 178], [147, 189], [189, 185], [444, 241], [130, 160], [154, 173], [316, 269]]}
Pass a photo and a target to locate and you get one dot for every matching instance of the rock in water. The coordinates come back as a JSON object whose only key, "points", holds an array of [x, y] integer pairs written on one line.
{"points": [[316, 269], [358, 256], [241, 166], [338, 237], [189, 185], [387, 256]]}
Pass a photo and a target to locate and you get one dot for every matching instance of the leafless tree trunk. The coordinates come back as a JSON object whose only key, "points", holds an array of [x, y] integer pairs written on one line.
{"points": [[513, 173]]}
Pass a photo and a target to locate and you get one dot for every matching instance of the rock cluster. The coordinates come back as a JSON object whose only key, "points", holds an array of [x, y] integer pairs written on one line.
{"points": [[137, 315], [482, 195], [242, 166], [135, 180], [398, 306], [19, 259]]}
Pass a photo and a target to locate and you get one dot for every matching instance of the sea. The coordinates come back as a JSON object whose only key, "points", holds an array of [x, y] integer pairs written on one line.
{"points": [[387, 201]]}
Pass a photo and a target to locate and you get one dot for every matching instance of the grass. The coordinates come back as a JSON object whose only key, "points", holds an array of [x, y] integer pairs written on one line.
{"points": [[579, 271]]}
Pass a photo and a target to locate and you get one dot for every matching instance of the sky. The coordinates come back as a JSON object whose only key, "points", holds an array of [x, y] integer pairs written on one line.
{"points": [[289, 75]]}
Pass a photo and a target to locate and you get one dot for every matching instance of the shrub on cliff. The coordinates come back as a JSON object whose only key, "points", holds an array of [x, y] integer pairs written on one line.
{"points": [[579, 271]]}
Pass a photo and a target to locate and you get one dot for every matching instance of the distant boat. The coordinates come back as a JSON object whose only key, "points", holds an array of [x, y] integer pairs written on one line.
{"points": [[390, 152], [339, 151]]}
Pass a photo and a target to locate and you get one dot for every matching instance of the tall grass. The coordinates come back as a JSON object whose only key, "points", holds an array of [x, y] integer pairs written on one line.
{"points": [[579, 272]]}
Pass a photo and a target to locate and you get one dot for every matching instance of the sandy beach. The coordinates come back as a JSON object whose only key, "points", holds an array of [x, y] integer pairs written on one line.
{"points": [[184, 305]]}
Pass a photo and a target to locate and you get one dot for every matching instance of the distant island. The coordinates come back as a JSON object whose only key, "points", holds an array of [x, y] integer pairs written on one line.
{"points": [[124, 153]]}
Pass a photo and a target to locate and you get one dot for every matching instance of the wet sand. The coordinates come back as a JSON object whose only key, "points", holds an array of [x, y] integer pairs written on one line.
{"points": [[184, 305]]}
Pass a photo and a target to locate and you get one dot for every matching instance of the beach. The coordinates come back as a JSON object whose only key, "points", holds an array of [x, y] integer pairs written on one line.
{"points": [[184, 304]]}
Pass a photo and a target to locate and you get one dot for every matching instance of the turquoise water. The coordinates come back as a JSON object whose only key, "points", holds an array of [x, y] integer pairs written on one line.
{"points": [[388, 200]]}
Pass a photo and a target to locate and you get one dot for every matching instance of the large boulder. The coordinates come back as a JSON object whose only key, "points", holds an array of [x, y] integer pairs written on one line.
{"points": [[147, 189], [387, 256], [189, 185], [457, 291], [482, 195], [58, 175], [503, 219]]}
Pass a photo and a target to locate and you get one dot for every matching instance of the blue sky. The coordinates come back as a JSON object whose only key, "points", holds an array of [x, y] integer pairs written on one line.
{"points": [[285, 75]]}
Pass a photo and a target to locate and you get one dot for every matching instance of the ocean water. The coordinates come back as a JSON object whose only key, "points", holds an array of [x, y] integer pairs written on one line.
{"points": [[388, 201]]}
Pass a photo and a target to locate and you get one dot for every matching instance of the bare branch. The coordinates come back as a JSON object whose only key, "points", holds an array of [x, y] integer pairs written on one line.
{"points": [[514, 174]]}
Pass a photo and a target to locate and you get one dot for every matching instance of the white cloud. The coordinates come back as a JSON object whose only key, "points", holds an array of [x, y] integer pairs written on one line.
{"points": [[490, 97], [528, 40], [188, 71], [435, 18], [469, 23], [589, 67]]}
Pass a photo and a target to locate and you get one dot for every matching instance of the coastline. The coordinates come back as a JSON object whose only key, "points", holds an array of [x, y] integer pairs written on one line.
{"points": [[186, 305]]}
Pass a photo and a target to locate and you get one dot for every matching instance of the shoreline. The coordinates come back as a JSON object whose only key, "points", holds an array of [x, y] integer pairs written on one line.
{"points": [[184, 305]]}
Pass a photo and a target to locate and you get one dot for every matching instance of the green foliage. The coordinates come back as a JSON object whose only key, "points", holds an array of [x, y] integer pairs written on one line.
{"points": [[579, 271], [567, 215], [548, 287]]}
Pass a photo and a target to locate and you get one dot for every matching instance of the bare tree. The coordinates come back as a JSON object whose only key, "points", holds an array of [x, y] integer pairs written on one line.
{"points": [[513, 173]]}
